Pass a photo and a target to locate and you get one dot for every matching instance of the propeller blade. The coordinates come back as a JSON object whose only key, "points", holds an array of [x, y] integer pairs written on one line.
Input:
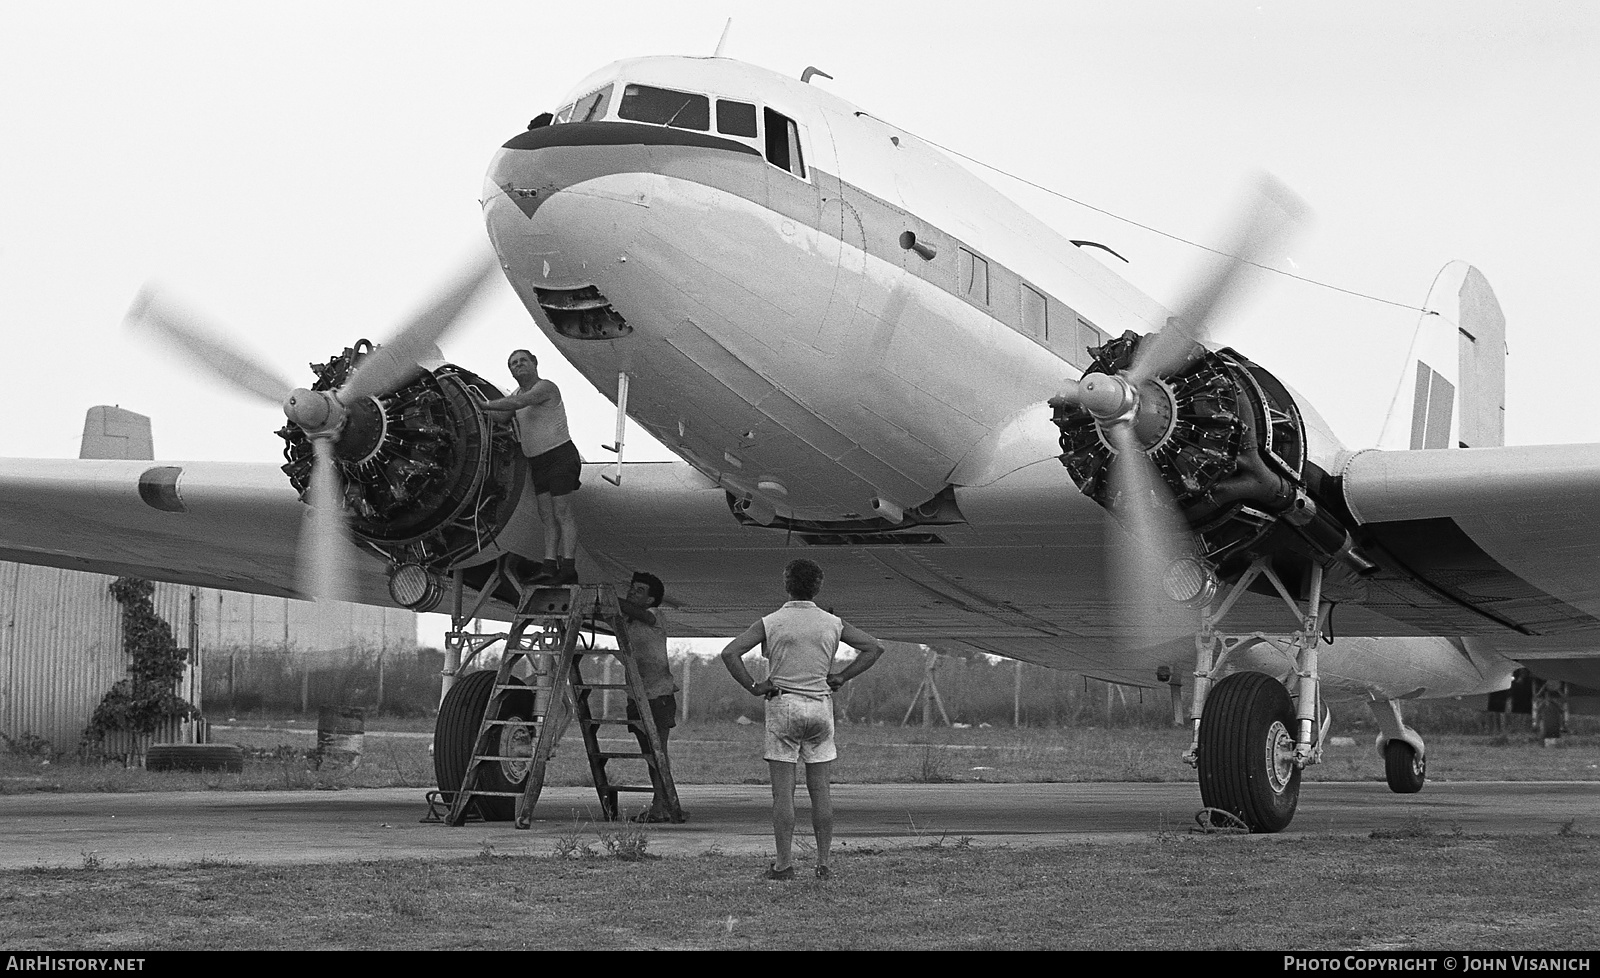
{"points": [[189, 334], [324, 569], [1271, 214], [1156, 535], [392, 364], [1069, 395]]}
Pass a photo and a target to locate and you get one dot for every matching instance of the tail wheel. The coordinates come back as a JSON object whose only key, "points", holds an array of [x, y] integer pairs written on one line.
{"points": [[456, 731], [1404, 768], [1247, 751]]}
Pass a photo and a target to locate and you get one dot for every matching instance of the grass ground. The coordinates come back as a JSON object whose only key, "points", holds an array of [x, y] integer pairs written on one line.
{"points": [[1163, 892], [1167, 890], [729, 753]]}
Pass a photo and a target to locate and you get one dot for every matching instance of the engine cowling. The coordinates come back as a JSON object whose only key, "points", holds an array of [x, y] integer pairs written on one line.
{"points": [[429, 479]]}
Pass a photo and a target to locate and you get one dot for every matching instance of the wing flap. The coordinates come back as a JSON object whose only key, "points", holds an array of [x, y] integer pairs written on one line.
{"points": [[1513, 533]]}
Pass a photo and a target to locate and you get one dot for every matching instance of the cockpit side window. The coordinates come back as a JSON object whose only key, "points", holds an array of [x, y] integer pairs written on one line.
{"points": [[587, 109], [665, 107], [783, 143], [736, 118], [592, 107]]}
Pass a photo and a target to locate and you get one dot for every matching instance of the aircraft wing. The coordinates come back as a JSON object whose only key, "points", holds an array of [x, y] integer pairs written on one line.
{"points": [[226, 525], [1481, 541], [1502, 543]]}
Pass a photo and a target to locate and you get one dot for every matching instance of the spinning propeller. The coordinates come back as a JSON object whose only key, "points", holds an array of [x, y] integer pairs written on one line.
{"points": [[323, 573], [1133, 410]]}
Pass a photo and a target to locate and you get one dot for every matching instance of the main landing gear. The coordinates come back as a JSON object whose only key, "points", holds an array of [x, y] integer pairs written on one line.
{"points": [[1254, 734]]}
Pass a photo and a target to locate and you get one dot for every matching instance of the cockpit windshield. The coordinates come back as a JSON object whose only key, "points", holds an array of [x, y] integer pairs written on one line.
{"points": [[587, 109], [665, 107]]}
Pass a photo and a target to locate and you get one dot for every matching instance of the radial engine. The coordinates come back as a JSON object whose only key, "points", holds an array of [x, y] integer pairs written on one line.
{"points": [[428, 479], [1229, 442]]}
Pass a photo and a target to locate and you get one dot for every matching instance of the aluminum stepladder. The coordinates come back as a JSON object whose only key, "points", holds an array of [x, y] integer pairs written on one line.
{"points": [[554, 644]]}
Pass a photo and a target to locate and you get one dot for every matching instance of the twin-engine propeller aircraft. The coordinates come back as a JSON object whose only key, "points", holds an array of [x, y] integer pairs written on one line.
{"points": [[991, 441]]}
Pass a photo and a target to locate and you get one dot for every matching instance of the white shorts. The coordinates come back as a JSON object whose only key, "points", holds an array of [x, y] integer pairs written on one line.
{"points": [[800, 728]]}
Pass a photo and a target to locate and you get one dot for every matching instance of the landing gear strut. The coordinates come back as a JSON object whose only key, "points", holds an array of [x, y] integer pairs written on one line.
{"points": [[1252, 738]]}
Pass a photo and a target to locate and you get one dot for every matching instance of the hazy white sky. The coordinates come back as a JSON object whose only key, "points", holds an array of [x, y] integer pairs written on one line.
{"points": [[305, 172]]}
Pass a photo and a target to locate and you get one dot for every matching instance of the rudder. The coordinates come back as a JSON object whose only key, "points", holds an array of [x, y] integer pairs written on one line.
{"points": [[1453, 391]]}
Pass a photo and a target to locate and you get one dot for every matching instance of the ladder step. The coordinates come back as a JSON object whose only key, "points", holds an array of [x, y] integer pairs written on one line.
{"points": [[599, 685], [499, 757], [597, 721], [492, 794], [515, 723]]}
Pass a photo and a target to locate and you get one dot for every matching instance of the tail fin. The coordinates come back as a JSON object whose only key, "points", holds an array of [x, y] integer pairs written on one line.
{"points": [[1453, 391], [112, 432]]}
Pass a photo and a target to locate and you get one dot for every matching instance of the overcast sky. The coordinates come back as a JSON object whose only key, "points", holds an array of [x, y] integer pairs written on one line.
{"points": [[305, 172]]}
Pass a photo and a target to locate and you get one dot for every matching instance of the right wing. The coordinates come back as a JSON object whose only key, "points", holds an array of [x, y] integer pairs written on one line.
{"points": [[229, 525]]}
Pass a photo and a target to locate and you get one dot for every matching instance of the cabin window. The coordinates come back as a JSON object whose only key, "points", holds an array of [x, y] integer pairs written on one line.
{"points": [[1035, 313], [736, 118], [783, 143], [1088, 337], [588, 108], [974, 281], [665, 107]]}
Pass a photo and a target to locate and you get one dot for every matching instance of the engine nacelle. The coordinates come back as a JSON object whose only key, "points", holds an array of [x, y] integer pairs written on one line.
{"points": [[1230, 443], [429, 480]]}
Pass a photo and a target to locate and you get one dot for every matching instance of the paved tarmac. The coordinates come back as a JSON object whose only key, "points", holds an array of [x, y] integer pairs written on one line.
{"points": [[51, 829]]}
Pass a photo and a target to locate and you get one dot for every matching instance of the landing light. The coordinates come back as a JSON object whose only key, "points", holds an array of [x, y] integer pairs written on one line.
{"points": [[1189, 582], [413, 587]]}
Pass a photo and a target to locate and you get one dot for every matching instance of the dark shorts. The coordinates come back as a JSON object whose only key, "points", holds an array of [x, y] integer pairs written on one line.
{"points": [[556, 471], [663, 708]]}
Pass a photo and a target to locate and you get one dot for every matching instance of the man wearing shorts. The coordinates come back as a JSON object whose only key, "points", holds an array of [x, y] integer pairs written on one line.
{"points": [[553, 463], [799, 641], [646, 626]]}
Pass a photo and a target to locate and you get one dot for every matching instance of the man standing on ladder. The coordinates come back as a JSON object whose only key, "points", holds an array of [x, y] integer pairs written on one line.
{"points": [[647, 639], [799, 640], [553, 464]]}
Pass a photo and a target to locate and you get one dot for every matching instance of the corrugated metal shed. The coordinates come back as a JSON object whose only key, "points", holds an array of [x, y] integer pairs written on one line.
{"points": [[61, 642]]}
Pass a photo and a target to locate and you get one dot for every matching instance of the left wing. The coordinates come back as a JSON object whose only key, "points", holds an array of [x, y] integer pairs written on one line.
{"points": [[1481, 541]]}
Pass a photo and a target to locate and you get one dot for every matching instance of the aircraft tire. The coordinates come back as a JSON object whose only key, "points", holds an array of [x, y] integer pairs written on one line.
{"points": [[1404, 769], [1246, 750], [194, 757], [456, 730]]}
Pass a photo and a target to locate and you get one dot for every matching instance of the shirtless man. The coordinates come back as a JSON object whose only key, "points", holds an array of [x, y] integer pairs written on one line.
{"points": [[553, 463]]}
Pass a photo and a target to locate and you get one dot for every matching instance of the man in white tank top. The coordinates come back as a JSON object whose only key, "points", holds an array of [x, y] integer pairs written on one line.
{"points": [[799, 641]]}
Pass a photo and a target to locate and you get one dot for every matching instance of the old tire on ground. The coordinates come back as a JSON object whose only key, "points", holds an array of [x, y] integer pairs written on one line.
{"points": [[194, 757], [1404, 769], [456, 731], [1247, 751]]}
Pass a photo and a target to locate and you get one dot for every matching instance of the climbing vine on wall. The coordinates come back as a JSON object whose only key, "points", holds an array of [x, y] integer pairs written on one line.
{"points": [[148, 697]]}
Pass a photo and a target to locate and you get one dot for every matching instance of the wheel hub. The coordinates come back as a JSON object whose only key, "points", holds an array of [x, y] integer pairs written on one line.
{"points": [[1280, 756], [516, 741]]}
